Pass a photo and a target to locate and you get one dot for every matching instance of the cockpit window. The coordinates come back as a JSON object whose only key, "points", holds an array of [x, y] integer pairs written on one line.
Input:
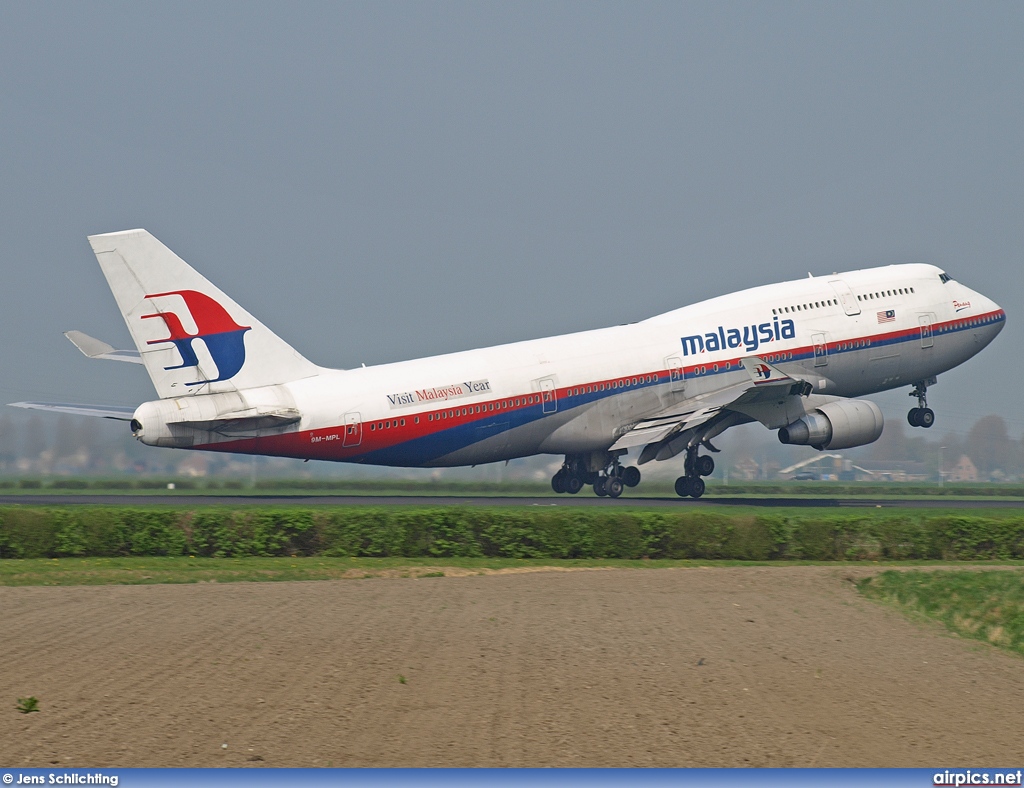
{"points": [[945, 278]]}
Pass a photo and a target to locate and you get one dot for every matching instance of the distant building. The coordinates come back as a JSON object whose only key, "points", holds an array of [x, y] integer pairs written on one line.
{"points": [[823, 467], [892, 471], [747, 469], [194, 465], [963, 471]]}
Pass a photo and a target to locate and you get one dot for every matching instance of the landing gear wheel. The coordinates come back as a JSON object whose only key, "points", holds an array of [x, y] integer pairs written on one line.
{"points": [[705, 465], [613, 487], [599, 487], [558, 482], [631, 476], [697, 487], [573, 484], [683, 486], [922, 415]]}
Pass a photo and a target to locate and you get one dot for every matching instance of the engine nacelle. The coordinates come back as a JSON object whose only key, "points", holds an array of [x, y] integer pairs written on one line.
{"points": [[836, 425]]}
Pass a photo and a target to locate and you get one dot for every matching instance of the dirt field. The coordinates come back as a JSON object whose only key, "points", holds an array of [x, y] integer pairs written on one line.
{"points": [[677, 667]]}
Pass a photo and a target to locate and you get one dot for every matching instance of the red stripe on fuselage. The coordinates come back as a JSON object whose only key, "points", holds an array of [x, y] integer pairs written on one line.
{"points": [[328, 443]]}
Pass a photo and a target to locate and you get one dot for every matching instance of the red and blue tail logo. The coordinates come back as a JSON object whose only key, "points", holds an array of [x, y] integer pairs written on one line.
{"points": [[224, 338]]}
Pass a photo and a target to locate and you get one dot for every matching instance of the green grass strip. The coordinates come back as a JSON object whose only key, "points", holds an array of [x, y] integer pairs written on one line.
{"points": [[195, 569], [152, 571], [986, 606]]}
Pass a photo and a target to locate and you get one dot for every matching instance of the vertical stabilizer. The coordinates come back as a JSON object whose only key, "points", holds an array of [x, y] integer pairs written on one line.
{"points": [[193, 338]]}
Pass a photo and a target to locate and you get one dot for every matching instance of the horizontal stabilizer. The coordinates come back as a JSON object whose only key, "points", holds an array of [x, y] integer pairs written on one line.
{"points": [[117, 412], [97, 348]]}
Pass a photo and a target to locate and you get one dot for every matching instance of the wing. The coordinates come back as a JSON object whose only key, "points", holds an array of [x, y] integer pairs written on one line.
{"points": [[701, 418], [97, 348], [118, 412]]}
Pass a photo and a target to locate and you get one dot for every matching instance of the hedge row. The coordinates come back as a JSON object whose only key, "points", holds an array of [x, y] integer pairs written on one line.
{"points": [[35, 532], [832, 489]]}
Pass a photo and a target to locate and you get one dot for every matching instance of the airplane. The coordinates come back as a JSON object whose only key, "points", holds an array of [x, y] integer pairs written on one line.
{"points": [[796, 357]]}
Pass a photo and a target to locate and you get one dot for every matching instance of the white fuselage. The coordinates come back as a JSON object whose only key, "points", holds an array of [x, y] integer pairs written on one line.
{"points": [[847, 335]]}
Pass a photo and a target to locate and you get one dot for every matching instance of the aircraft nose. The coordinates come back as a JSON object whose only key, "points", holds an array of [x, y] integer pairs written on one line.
{"points": [[991, 306], [995, 316]]}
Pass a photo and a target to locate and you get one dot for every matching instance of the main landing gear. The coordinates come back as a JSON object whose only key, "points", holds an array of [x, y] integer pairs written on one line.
{"points": [[922, 415], [692, 485], [609, 481], [615, 479]]}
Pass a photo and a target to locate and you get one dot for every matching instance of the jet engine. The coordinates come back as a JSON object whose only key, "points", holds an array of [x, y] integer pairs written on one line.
{"points": [[836, 425]]}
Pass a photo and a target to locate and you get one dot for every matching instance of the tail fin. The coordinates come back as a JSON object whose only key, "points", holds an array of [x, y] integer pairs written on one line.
{"points": [[168, 305]]}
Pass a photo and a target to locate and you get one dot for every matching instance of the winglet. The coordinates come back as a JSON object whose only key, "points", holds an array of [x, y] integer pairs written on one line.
{"points": [[97, 348]]}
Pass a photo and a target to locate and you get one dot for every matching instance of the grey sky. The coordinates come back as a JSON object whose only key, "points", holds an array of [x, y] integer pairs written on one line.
{"points": [[383, 181]]}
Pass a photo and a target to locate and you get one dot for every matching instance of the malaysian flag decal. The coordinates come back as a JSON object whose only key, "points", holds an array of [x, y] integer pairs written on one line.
{"points": [[888, 316]]}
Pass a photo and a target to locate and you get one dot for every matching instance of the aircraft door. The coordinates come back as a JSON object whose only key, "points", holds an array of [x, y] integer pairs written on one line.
{"points": [[674, 365], [548, 395], [820, 341], [353, 430], [846, 296], [925, 321]]}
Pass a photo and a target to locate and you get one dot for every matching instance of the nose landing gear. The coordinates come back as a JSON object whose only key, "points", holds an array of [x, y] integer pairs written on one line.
{"points": [[922, 415], [691, 485]]}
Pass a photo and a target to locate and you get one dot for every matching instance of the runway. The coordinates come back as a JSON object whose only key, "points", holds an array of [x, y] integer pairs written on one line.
{"points": [[509, 501]]}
